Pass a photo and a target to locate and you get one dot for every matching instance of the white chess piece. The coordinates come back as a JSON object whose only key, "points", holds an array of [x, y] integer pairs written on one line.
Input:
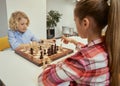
{"points": [[48, 60], [43, 61]]}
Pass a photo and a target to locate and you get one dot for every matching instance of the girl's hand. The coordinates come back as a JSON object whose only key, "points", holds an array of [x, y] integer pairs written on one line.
{"points": [[65, 40]]}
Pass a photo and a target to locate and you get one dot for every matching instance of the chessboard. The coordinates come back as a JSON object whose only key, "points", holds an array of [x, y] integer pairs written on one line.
{"points": [[43, 55]]}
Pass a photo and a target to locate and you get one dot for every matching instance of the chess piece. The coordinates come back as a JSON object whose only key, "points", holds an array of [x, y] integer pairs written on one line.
{"points": [[41, 55], [48, 60], [49, 51], [52, 51], [40, 47], [42, 41], [44, 52], [55, 49], [60, 47], [54, 40], [31, 51], [44, 61]]}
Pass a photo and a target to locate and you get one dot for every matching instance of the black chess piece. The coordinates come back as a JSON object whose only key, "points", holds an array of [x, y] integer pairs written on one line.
{"points": [[44, 52], [40, 47], [49, 51], [52, 49], [54, 41], [31, 51], [41, 55], [55, 49], [41, 41]]}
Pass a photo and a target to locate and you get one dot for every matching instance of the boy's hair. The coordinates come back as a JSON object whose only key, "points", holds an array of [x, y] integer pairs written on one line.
{"points": [[104, 14], [15, 18]]}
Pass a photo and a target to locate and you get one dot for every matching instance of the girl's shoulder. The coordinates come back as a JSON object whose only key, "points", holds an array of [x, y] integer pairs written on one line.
{"points": [[91, 51]]}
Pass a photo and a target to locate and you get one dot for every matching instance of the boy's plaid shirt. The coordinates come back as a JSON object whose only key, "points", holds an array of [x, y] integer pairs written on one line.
{"points": [[88, 67]]}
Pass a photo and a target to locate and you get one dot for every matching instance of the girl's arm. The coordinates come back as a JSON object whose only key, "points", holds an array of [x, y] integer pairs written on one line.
{"points": [[67, 40]]}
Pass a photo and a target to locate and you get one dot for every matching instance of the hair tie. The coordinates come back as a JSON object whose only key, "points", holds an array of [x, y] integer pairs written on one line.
{"points": [[108, 2]]}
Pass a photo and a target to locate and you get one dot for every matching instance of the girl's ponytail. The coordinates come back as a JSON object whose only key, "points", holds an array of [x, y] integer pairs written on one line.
{"points": [[113, 41]]}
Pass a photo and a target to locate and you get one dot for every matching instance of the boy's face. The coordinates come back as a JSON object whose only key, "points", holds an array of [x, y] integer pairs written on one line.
{"points": [[22, 25]]}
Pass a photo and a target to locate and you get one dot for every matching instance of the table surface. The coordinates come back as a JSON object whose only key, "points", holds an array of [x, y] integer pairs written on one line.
{"points": [[17, 71]]}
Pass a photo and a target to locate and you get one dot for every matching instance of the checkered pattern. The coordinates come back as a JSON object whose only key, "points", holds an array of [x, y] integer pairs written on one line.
{"points": [[88, 67]]}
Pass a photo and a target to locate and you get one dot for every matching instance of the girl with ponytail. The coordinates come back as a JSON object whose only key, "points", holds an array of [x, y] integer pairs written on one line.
{"points": [[97, 63]]}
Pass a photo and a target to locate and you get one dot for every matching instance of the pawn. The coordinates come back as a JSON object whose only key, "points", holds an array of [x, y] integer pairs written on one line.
{"points": [[42, 41], [44, 52], [41, 55], [48, 60], [44, 61], [31, 51], [40, 47]]}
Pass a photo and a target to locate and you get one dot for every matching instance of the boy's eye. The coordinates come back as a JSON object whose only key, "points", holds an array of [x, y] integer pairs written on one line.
{"points": [[22, 24]]}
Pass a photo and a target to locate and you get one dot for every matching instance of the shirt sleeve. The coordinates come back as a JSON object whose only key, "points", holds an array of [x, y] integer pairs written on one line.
{"points": [[71, 69], [56, 74], [33, 38], [13, 41]]}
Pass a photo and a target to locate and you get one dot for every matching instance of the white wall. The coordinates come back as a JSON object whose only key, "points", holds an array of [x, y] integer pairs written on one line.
{"points": [[66, 8], [35, 9], [3, 18]]}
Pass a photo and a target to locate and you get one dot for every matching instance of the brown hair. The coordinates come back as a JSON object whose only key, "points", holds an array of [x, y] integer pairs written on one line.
{"points": [[112, 41], [15, 18], [104, 14], [97, 9]]}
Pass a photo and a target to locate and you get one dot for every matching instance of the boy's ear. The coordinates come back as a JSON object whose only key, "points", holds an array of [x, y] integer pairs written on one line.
{"points": [[86, 23]]}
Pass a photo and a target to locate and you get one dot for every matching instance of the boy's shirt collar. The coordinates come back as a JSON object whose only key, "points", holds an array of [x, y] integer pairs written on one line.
{"points": [[19, 33]]}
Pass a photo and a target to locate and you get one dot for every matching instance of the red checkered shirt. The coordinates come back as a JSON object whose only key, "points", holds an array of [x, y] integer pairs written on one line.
{"points": [[87, 67]]}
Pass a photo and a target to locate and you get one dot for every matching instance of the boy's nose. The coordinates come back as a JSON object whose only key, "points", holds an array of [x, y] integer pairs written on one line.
{"points": [[25, 26]]}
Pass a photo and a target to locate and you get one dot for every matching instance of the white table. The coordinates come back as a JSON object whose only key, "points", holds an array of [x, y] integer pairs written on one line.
{"points": [[17, 71]]}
